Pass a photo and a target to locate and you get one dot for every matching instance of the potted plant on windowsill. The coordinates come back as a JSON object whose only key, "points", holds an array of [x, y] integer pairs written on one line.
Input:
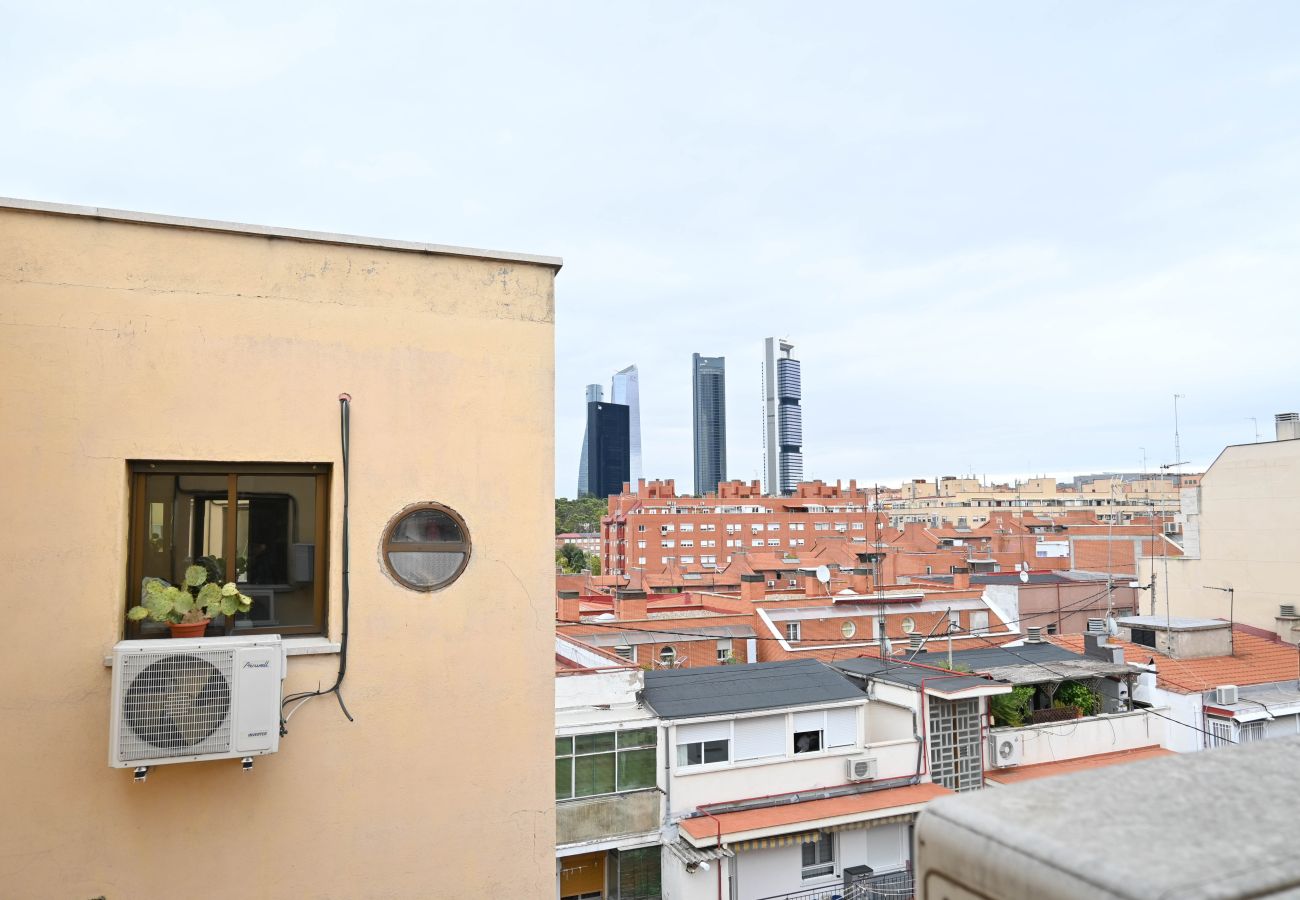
{"points": [[188, 608]]}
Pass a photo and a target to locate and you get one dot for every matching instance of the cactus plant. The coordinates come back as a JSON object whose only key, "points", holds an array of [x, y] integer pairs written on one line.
{"points": [[195, 600]]}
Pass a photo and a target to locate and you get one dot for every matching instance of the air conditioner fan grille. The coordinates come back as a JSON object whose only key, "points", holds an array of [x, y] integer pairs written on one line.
{"points": [[176, 704]]}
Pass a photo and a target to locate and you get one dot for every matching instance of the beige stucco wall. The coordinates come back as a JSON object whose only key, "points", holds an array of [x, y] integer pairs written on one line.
{"points": [[128, 341], [1249, 538]]}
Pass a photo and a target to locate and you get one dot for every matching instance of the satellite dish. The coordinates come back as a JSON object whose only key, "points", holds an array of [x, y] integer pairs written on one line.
{"points": [[823, 574], [1112, 627], [1024, 577]]}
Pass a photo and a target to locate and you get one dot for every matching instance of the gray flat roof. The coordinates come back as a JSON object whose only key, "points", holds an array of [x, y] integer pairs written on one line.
{"points": [[1177, 624], [1193, 825], [903, 673], [1028, 663], [717, 690], [294, 234]]}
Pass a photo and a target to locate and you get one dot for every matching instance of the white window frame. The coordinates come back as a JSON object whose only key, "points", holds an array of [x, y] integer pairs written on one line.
{"points": [[822, 868], [792, 631], [724, 649]]}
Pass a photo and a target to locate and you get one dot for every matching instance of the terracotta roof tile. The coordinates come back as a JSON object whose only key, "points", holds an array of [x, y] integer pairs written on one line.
{"points": [[1042, 770], [796, 815], [1256, 660]]}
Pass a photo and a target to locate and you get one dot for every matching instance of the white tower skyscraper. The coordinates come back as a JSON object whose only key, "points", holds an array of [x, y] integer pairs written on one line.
{"points": [[626, 390], [782, 418]]}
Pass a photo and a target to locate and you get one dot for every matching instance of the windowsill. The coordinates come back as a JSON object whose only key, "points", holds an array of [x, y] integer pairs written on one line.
{"points": [[293, 646]]}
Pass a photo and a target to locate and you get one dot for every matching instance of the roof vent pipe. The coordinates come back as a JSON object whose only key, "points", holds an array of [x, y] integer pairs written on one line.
{"points": [[1288, 610], [1096, 626], [1034, 634]]}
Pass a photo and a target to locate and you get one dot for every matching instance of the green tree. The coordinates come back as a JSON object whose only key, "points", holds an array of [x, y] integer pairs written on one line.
{"points": [[579, 516], [1013, 708], [570, 558]]}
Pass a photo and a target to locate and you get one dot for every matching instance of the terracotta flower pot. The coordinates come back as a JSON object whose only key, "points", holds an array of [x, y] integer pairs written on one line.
{"points": [[188, 629]]}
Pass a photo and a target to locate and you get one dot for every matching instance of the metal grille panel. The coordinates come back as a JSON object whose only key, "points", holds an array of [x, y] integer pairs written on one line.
{"points": [[956, 753], [175, 704]]}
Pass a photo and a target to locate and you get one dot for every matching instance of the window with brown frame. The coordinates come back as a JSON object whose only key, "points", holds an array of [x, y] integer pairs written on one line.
{"points": [[261, 525]]}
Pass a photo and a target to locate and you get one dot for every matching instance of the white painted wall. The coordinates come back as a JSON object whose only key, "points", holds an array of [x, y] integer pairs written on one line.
{"points": [[777, 870], [1088, 736]]}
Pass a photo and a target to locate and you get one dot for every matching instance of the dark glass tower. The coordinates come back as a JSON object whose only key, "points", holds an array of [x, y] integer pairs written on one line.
{"points": [[609, 456], [709, 403]]}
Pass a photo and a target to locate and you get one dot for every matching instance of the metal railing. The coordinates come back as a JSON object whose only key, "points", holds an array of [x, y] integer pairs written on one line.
{"points": [[888, 886]]}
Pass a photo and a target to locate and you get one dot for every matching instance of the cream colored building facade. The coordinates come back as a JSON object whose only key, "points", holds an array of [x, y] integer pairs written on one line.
{"points": [[128, 337], [1241, 529]]}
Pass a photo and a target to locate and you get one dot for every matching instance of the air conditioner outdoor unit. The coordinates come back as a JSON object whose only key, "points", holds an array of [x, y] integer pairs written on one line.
{"points": [[1005, 749], [190, 700], [1225, 694], [862, 768]]}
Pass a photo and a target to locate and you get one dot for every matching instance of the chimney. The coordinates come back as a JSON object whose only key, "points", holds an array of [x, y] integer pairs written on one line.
{"points": [[566, 607], [1095, 646], [629, 604], [860, 580], [1288, 624], [961, 579], [1288, 426], [811, 586], [1034, 634], [915, 642], [1096, 626], [752, 588]]}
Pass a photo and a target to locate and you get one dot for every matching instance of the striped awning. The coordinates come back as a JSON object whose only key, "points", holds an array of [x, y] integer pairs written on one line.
{"points": [[872, 823], [780, 840]]}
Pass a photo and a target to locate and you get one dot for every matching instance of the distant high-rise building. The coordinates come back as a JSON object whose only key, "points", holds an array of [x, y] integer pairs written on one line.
{"points": [[595, 393], [709, 404], [626, 390], [782, 418], [608, 453]]}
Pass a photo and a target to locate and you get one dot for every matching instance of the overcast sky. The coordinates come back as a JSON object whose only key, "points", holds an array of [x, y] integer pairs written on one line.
{"points": [[1000, 235]]}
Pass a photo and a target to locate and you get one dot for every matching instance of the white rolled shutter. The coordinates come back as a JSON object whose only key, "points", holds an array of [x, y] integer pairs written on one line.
{"points": [[759, 738], [842, 727], [810, 721], [704, 731]]}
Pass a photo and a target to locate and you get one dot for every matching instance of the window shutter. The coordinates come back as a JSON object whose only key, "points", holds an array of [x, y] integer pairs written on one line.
{"points": [[759, 738], [810, 721], [842, 727], [704, 731]]}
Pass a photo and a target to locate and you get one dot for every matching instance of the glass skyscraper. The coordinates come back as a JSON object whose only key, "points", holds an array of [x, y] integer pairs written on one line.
{"points": [[709, 405], [626, 390], [782, 418], [595, 393]]}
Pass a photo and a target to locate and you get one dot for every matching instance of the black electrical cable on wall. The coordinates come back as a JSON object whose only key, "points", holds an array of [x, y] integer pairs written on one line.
{"points": [[345, 403]]}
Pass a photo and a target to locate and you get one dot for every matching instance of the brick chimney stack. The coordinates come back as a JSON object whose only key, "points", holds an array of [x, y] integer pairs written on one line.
{"points": [[961, 579], [629, 605], [860, 580], [752, 588], [566, 607]]}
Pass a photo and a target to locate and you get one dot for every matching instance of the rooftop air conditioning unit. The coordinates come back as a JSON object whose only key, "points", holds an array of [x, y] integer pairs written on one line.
{"points": [[1005, 749], [861, 768], [1225, 694], [191, 700]]}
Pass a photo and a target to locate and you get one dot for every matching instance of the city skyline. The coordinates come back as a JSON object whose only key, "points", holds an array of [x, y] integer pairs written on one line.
{"points": [[992, 262]]}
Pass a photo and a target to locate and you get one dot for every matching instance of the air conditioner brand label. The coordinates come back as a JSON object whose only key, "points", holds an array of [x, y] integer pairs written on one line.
{"points": [[264, 664], [255, 734]]}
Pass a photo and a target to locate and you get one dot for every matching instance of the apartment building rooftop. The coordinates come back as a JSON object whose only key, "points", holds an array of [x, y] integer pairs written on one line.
{"points": [[1255, 660], [688, 693]]}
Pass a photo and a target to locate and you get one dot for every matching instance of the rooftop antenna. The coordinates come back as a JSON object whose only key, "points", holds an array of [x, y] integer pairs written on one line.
{"points": [[1256, 423], [1178, 450], [1232, 639]]}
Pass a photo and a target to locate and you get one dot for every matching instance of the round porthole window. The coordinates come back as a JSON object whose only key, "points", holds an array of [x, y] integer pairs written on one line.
{"points": [[848, 629], [909, 625], [426, 547]]}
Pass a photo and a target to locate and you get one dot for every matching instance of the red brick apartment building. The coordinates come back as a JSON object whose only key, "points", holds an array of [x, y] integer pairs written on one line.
{"points": [[656, 540]]}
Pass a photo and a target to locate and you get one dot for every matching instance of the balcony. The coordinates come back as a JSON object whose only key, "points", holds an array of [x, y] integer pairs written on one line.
{"points": [[613, 815], [886, 886]]}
